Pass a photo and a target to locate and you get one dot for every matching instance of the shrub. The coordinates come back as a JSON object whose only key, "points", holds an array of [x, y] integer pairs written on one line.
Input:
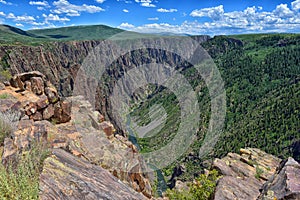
{"points": [[20, 180], [201, 189], [4, 96]]}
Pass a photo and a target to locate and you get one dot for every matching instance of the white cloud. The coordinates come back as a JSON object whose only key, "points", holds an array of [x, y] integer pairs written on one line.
{"points": [[214, 12], [153, 18], [166, 10], [296, 5], [2, 14], [40, 8], [283, 11], [5, 2], [126, 26], [39, 3], [100, 1], [52, 17], [125, 10], [251, 20], [19, 25], [64, 7], [23, 18], [145, 3]]}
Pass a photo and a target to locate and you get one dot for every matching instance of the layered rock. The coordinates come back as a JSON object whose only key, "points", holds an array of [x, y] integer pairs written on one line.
{"points": [[96, 142], [37, 98], [244, 174], [66, 176], [285, 184], [88, 137]]}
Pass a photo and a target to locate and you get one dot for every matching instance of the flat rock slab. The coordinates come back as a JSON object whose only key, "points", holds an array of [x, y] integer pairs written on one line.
{"points": [[244, 174], [65, 176]]}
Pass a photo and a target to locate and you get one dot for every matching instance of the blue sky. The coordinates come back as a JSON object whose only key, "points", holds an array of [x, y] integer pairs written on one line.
{"points": [[176, 16]]}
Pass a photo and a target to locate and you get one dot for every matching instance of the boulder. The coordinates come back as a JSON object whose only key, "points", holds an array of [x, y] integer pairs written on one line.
{"points": [[28, 75], [16, 82], [30, 108], [36, 116], [65, 176], [48, 112], [43, 102], [52, 94], [244, 174], [108, 128], [37, 85], [285, 184], [62, 111], [28, 85]]}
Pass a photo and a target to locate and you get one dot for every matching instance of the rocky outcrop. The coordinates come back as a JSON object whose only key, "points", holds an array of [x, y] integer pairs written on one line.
{"points": [[244, 174], [88, 137], [96, 142], [66, 176], [37, 98], [285, 184], [27, 133]]}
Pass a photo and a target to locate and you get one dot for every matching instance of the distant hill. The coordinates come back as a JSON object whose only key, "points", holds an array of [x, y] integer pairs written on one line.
{"points": [[9, 34], [12, 35], [93, 32]]}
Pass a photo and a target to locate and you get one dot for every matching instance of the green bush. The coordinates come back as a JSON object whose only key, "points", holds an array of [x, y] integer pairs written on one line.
{"points": [[201, 189], [4, 96], [21, 180]]}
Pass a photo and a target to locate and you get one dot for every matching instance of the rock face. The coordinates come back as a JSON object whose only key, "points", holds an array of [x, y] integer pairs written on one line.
{"points": [[244, 175], [96, 143], [285, 184], [60, 61], [65, 176], [117, 170], [27, 132], [38, 97]]}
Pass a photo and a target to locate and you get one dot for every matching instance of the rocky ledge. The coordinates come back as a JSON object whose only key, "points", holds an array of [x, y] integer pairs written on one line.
{"points": [[88, 160], [254, 174]]}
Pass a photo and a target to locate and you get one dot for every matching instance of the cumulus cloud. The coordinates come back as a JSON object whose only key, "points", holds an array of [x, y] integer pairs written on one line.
{"points": [[214, 13], [126, 26], [145, 3], [64, 7], [166, 10], [125, 10], [39, 3], [2, 14], [23, 18], [252, 19], [153, 18], [296, 5], [52, 17], [282, 10]]}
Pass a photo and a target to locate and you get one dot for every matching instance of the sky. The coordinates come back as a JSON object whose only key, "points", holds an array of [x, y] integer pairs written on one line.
{"points": [[212, 17]]}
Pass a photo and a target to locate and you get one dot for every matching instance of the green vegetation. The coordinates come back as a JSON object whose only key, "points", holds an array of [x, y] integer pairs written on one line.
{"points": [[4, 96], [20, 179], [13, 36], [262, 81], [201, 189], [259, 172]]}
